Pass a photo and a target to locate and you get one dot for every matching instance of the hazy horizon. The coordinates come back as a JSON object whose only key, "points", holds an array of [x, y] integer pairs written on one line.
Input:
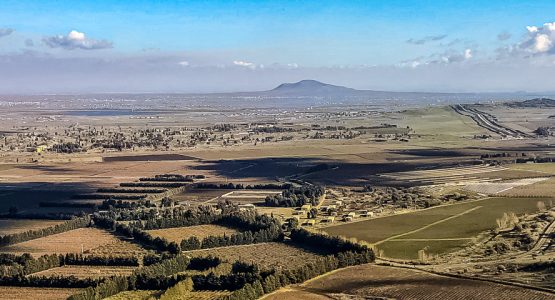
{"points": [[220, 46]]}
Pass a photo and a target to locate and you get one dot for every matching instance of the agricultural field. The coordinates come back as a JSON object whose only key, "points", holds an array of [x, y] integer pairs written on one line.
{"points": [[86, 271], [73, 241], [32, 293], [11, 226], [504, 187], [374, 281], [178, 234], [439, 229], [118, 247], [266, 255], [135, 295], [204, 295], [545, 188], [200, 195], [545, 168]]}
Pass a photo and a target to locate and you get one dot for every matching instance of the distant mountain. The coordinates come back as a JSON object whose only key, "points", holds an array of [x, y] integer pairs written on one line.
{"points": [[310, 88], [537, 102]]}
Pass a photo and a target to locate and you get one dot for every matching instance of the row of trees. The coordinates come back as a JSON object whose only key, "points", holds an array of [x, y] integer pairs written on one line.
{"points": [[25, 264], [239, 186], [38, 233], [297, 196], [154, 184], [274, 281], [170, 178]]}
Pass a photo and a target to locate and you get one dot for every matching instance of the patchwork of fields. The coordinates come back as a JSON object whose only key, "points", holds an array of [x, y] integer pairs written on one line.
{"points": [[380, 282], [438, 230]]}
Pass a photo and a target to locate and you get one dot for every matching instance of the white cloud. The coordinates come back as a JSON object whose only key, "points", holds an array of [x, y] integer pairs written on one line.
{"points": [[76, 40], [427, 39], [245, 64], [293, 66], [5, 31], [537, 41], [183, 63], [468, 54]]}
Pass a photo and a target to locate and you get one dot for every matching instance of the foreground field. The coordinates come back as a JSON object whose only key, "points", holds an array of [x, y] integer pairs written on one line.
{"points": [[372, 281], [28, 293], [87, 271], [73, 241], [135, 295], [201, 231], [266, 255], [11, 226], [436, 230]]}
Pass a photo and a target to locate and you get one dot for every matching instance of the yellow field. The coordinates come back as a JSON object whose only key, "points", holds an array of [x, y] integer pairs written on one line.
{"points": [[266, 255], [200, 231], [29, 293], [135, 295], [73, 241]]}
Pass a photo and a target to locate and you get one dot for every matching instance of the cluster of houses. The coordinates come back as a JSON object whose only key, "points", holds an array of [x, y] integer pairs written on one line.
{"points": [[329, 214]]}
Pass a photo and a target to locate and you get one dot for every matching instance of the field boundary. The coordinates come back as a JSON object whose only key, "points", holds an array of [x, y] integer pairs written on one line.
{"points": [[429, 225], [477, 278]]}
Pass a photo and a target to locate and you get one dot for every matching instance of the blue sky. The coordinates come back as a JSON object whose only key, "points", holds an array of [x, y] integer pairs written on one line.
{"points": [[285, 34]]}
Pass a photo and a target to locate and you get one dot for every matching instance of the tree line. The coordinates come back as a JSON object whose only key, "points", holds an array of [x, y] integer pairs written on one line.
{"points": [[239, 186], [38, 233], [297, 196]]}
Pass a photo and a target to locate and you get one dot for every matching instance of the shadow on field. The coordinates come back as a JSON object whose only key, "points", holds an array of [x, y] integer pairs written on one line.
{"points": [[321, 170], [27, 196]]}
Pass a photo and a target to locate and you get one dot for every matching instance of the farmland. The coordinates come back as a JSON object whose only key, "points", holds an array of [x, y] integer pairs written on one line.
{"points": [[86, 271], [74, 241], [439, 229], [178, 234], [399, 283], [162, 202], [31, 293], [11, 226], [267, 255]]}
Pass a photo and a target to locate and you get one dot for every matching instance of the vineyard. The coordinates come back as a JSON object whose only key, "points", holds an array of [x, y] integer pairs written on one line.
{"points": [[178, 234], [31, 293], [375, 281], [73, 241], [266, 255], [86, 271]]}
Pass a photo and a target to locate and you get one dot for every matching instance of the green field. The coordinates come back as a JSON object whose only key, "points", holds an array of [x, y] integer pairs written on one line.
{"points": [[401, 236]]}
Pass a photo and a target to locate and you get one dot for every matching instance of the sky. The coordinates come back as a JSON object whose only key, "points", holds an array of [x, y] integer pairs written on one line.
{"points": [[216, 46]]}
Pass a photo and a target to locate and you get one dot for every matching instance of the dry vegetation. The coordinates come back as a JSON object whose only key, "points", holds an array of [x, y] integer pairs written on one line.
{"points": [[118, 247], [87, 271], [266, 255], [135, 295], [11, 226], [73, 241], [29, 293], [201, 231], [368, 281]]}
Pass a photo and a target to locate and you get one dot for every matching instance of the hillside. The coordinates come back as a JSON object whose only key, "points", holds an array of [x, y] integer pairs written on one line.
{"points": [[537, 102], [310, 88]]}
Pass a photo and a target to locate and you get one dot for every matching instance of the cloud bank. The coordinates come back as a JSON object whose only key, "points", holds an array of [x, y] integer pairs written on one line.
{"points": [[76, 40], [5, 32]]}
